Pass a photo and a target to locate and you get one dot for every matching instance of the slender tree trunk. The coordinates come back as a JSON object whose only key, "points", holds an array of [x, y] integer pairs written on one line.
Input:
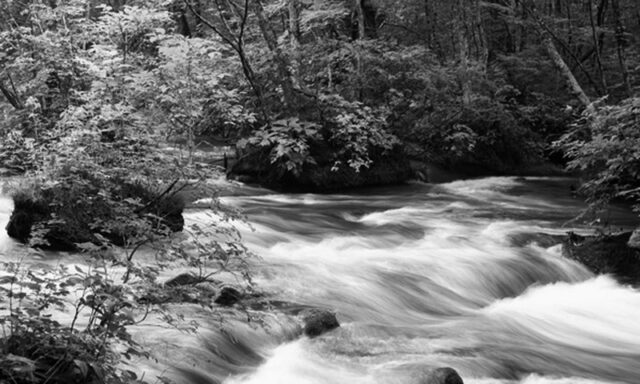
{"points": [[483, 55], [198, 29], [294, 36], [282, 62], [435, 40], [89, 9], [569, 26], [428, 24], [596, 46], [572, 84], [558, 8], [237, 44], [620, 43], [463, 53], [546, 33], [359, 14], [11, 97]]}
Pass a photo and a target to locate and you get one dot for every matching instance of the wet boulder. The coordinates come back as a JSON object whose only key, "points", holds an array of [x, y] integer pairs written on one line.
{"points": [[387, 168], [183, 279], [444, 375], [318, 322], [59, 217], [606, 254], [228, 296]]}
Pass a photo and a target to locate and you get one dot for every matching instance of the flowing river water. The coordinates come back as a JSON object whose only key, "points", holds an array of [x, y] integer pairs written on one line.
{"points": [[467, 274]]}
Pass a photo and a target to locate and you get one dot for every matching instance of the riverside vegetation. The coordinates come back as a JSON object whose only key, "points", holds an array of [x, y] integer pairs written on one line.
{"points": [[104, 104]]}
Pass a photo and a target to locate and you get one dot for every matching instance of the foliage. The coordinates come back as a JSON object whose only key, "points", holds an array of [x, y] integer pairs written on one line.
{"points": [[356, 130], [37, 348], [288, 141], [604, 145], [87, 128], [194, 88]]}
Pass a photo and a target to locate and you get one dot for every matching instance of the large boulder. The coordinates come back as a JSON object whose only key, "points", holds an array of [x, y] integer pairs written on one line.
{"points": [[444, 375], [318, 322], [387, 168], [606, 254], [65, 216], [228, 296]]}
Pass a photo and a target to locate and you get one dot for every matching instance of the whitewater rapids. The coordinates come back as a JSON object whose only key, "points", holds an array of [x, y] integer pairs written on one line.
{"points": [[467, 274]]}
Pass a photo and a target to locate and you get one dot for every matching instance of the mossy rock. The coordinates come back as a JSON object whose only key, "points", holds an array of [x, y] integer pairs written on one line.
{"points": [[73, 215], [387, 168], [606, 254]]}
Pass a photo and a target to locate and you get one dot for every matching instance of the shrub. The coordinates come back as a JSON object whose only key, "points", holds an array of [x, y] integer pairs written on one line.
{"points": [[604, 145]]}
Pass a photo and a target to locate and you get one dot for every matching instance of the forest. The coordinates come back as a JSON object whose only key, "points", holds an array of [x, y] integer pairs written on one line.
{"points": [[117, 117]]}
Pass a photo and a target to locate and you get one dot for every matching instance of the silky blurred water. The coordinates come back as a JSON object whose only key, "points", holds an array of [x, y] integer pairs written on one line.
{"points": [[467, 274]]}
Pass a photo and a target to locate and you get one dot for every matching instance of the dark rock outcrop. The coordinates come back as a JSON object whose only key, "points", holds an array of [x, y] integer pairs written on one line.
{"points": [[444, 375], [318, 322], [183, 279], [228, 296], [73, 216], [387, 169], [606, 254]]}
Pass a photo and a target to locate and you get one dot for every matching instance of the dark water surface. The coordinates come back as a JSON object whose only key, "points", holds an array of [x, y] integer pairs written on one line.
{"points": [[467, 274]]}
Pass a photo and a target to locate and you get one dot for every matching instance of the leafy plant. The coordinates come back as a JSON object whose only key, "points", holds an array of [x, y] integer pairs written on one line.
{"points": [[288, 142], [604, 145]]}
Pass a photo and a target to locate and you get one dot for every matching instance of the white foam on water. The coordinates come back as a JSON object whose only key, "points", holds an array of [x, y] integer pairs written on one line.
{"points": [[473, 186], [6, 207], [422, 282], [293, 364], [597, 314], [537, 379]]}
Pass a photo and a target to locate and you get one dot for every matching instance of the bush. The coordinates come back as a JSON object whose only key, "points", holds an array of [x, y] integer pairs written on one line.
{"points": [[83, 206], [483, 137], [604, 145]]}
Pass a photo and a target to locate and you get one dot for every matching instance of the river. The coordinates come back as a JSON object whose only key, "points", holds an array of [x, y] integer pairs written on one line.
{"points": [[467, 274]]}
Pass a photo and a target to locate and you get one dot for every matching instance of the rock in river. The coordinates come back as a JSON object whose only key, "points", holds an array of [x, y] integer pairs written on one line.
{"points": [[318, 322], [228, 296], [444, 375], [606, 254]]}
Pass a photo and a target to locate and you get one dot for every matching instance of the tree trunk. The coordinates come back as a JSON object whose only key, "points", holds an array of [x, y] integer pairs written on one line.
{"points": [[569, 25], [620, 43], [294, 36], [11, 97], [282, 62], [572, 84], [237, 44], [483, 55], [463, 53], [198, 30], [558, 8], [596, 47], [428, 23], [359, 15]]}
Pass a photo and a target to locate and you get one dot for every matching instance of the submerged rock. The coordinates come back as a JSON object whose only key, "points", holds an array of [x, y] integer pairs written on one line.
{"points": [[318, 322], [606, 254], [444, 375]]}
